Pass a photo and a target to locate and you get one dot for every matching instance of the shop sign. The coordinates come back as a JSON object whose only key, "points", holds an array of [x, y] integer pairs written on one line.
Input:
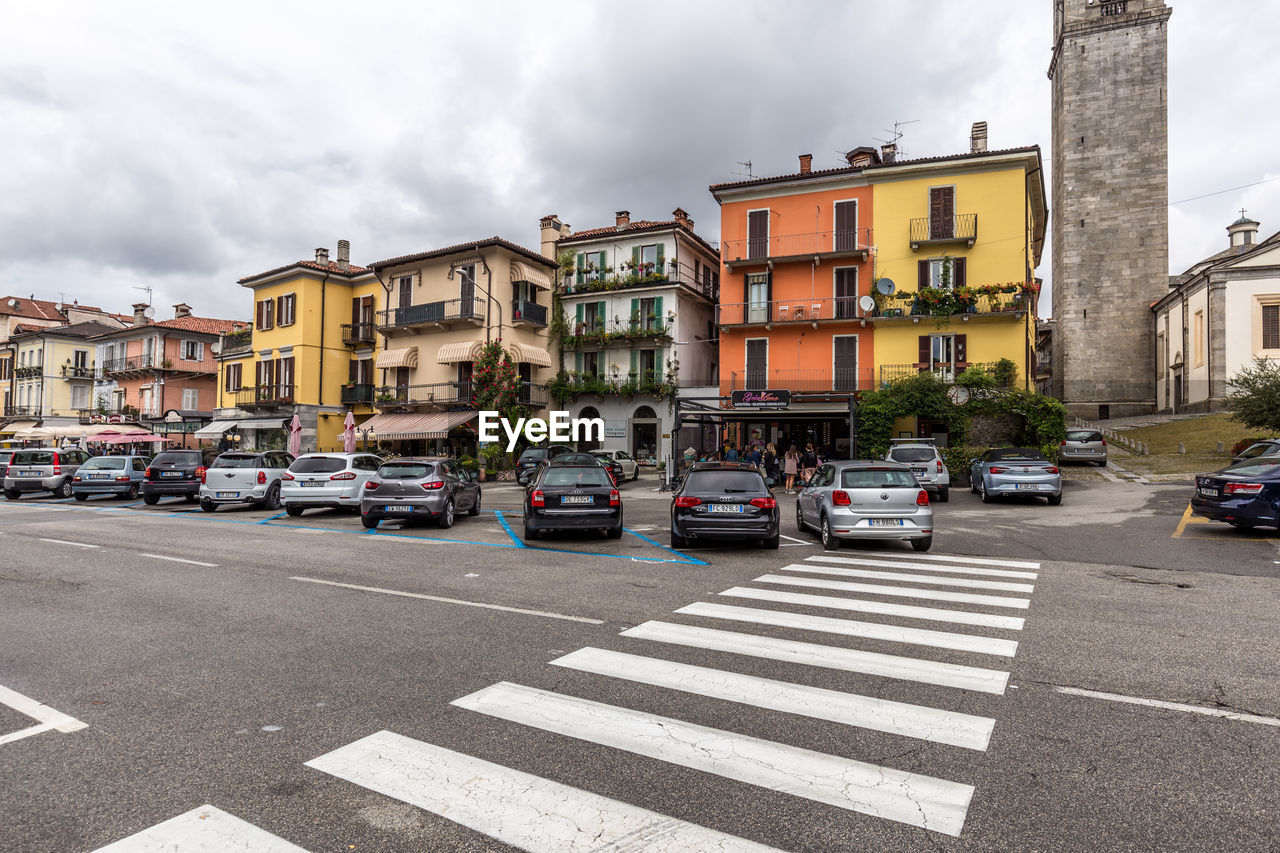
{"points": [[767, 399], [615, 429]]}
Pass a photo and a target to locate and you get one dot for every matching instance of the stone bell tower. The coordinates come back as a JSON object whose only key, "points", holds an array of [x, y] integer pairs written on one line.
{"points": [[1110, 174]]}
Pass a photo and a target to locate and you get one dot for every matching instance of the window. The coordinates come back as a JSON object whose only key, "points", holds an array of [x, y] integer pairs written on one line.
{"points": [[191, 399], [757, 364], [846, 292], [942, 213], [648, 365], [1268, 336], [844, 362], [651, 313], [80, 359], [80, 395], [360, 372], [758, 233], [846, 230], [590, 317], [233, 377], [467, 290], [1199, 337], [943, 273], [942, 354], [284, 378], [757, 297], [590, 364], [286, 306], [650, 258], [265, 317], [193, 350], [6, 368], [405, 291]]}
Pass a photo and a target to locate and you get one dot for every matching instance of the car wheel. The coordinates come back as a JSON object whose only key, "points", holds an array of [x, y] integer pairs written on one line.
{"points": [[678, 541], [369, 523], [829, 541], [81, 496], [771, 543], [132, 494], [272, 500], [207, 505], [152, 500], [192, 498], [944, 494], [64, 489], [636, 475], [982, 492], [445, 521], [529, 533], [294, 511], [615, 532], [800, 525], [12, 494], [475, 506], [1055, 500], [973, 485], [922, 544]]}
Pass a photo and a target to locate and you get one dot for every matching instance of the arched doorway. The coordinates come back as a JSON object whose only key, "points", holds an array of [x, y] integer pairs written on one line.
{"points": [[593, 443], [644, 434]]}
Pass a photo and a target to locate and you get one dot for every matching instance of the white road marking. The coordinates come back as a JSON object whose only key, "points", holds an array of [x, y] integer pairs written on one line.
{"points": [[485, 605], [514, 807], [829, 657], [1173, 706], [899, 718], [203, 828], [65, 542], [180, 560], [951, 558], [907, 611], [928, 567], [27, 732], [900, 591], [909, 798], [853, 628], [935, 580], [46, 716], [794, 539]]}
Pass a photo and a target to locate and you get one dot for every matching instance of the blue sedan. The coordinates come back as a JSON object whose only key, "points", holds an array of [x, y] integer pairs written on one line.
{"points": [[1244, 494], [110, 475], [1009, 471]]}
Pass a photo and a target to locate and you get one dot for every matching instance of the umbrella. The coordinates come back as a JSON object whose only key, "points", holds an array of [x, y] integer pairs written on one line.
{"points": [[83, 443], [295, 436], [349, 433]]}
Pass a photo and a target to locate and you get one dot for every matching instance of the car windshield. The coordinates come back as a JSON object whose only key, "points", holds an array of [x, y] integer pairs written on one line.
{"points": [[404, 470], [877, 478], [912, 454], [1083, 435], [728, 482], [571, 477], [33, 457], [114, 463], [177, 459], [1016, 454], [534, 453], [1257, 450], [235, 462], [577, 459], [318, 465]]}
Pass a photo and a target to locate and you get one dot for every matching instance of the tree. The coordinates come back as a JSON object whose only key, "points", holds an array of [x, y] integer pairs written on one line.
{"points": [[1255, 397], [495, 383]]}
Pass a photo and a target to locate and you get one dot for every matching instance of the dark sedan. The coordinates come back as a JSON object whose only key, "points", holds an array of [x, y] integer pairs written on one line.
{"points": [[724, 500], [528, 462], [569, 495], [1244, 494]]}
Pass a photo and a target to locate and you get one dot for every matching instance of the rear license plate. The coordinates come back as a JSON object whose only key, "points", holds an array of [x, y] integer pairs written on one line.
{"points": [[170, 473], [725, 508], [28, 474], [226, 494], [1026, 486], [886, 522], [99, 476], [397, 508], [311, 483], [576, 499], [1209, 493], [919, 470]]}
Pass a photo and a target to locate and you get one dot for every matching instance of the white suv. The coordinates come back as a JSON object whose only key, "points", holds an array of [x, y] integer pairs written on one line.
{"points": [[922, 457]]}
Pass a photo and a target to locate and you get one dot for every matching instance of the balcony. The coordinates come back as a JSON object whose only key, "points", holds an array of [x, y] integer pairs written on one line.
{"points": [[528, 313], [107, 416], [669, 273], [937, 230], [822, 309], [271, 396], [809, 380], [1011, 299], [356, 395], [815, 246], [445, 314], [34, 371], [75, 371], [570, 386], [236, 343], [433, 394], [132, 364], [22, 411], [890, 373], [595, 336], [357, 334]]}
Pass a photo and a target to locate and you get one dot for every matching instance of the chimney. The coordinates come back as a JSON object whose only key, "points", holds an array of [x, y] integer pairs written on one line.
{"points": [[862, 156], [681, 216], [1243, 232], [806, 164], [978, 137], [888, 152], [623, 219], [552, 230], [182, 309], [322, 257], [140, 313], [344, 255]]}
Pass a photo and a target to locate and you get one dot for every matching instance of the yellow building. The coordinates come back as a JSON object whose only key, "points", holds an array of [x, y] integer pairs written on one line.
{"points": [[960, 238], [310, 352]]}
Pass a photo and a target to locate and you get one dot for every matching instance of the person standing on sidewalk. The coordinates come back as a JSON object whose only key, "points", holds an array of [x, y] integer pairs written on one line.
{"points": [[790, 463]]}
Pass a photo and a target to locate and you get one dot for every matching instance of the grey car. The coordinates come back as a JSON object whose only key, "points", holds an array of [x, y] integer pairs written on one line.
{"points": [[110, 475], [1015, 471], [244, 477], [1084, 445], [866, 500], [44, 469], [419, 489], [326, 480], [924, 460]]}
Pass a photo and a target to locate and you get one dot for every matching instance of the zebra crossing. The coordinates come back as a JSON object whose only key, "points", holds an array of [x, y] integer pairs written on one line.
{"points": [[538, 814]]}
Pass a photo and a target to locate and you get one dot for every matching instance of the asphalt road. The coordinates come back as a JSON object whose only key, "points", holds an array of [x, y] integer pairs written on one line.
{"points": [[204, 659]]}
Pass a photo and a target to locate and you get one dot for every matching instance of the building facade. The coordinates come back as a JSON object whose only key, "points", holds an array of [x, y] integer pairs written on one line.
{"points": [[54, 373], [1109, 76]]}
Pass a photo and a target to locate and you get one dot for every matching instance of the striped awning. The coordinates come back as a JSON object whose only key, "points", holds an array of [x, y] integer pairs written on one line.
{"points": [[528, 354], [403, 357], [74, 431], [392, 427], [521, 271], [459, 351]]}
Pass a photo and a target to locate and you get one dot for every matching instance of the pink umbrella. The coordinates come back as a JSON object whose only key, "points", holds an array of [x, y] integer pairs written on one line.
{"points": [[349, 433], [295, 436]]}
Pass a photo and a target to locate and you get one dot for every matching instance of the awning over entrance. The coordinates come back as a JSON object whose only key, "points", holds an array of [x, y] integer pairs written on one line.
{"points": [[528, 272], [74, 431], [409, 426], [129, 438], [403, 357], [14, 426], [218, 428], [459, 351], [530, 354]]}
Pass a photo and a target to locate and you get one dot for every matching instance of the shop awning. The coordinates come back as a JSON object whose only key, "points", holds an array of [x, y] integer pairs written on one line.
{"points": [[416, 425], [75, 431], [521, 271], [14, 426], [218, 428], [459, 351], [403, 357], [129, 438], [530, 354]]}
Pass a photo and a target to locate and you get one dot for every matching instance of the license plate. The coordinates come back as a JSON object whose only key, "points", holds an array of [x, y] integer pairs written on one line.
{"points": [[226, 494], [170, 473], [397, 508], [99, 476], [886, 522], [920, 470], [1209, 493], [311, 484], [725, 508], [28, 473], [1026, 486], [576, 499]]}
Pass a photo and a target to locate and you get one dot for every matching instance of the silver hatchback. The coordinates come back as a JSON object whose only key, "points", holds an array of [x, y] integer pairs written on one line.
{"points": [[419, 489], [1084, 445], [326, 480], [865, 500], [44, 469]]}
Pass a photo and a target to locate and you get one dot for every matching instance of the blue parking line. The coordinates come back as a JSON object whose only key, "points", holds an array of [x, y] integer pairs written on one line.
{"points": [[273, 518], [685, 558], [507, 527]]}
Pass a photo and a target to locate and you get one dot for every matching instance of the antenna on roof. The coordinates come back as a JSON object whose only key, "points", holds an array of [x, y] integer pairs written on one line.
{"points": [[896, 133], [145, 287], [747, 174]]}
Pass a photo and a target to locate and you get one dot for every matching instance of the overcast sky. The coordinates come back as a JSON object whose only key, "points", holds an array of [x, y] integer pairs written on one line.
{"points": [[182, 146]]}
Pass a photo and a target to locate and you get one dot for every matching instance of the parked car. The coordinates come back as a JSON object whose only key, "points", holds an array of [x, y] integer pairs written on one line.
{"points": [[582, 458], [1263, 447], [176, 473], [332, 480], [531, 456], [1015, 471], [244, 477], [922, 457], [1084, 445], [724, 500], [1244, 494], [110, 475], [419, 489], [865, 500], [630, 468], [43, 469], [572, 492]]}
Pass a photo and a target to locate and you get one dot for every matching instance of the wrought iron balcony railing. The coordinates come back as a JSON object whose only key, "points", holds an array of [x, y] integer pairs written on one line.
{"points": [[356, 394], [354, 334], [813, 380], [531, 313], [961, 228], [265, 396], [441, 313], [793, 246]]}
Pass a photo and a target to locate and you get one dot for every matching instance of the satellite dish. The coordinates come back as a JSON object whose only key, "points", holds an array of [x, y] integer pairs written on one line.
{"points": [[885, 286], [215, 347], [866, 303], [148, 312], [59, 306], [13, 303]]}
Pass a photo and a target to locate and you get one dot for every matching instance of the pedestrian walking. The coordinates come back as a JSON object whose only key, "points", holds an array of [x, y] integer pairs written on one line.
{"points": [[770, 462], [731, 455], [790, 464], [808, 462]]}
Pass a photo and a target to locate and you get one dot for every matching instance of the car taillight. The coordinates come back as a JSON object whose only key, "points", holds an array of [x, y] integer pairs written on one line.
{"points": [[687, 502], [1051, 470], [939, 466], [764, 503], [1242, 488], [345, 475], [1063, 442], [76, 478], [998, 470], [200, 473], [57, 464], [537, 498], [614, 500], [262, 477], [840, 498], [922, 499], [371, 484], [1104, 442], [123, 478], [285, 476], [146, 475], [433, 485]]}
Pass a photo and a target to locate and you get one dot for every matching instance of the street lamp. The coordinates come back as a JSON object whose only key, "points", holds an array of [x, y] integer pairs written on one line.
{"points": [[366, 435]]}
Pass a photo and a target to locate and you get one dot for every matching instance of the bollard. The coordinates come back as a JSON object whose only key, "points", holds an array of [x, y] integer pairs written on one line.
{"points": [[1220, 447], [1182, 448]]}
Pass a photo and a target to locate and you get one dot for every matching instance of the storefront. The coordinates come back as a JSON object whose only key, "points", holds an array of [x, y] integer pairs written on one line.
{"points": [[760, 418], [245, 434], [421, 433]]}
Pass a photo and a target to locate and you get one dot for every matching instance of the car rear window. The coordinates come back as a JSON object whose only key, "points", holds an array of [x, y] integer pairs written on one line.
{"points": [[725, 481], [1263, 465], [576, 477], [178, 458], [318, 465], [912, 454], [534, 453], [33, 457], [1258, 450], [113, 463], [405, 470], [1084, 435], [1017, 454], [235, 462], [877, 478]]}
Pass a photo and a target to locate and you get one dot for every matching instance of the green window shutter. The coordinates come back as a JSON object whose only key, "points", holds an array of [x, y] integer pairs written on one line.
{"points": [[604, 261], [578, 318], [600, 313], [658, 268], [577, 363], [635, 256], [635, 314], [657, 310], [582, 262], [635, 362], [657, 365]]}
